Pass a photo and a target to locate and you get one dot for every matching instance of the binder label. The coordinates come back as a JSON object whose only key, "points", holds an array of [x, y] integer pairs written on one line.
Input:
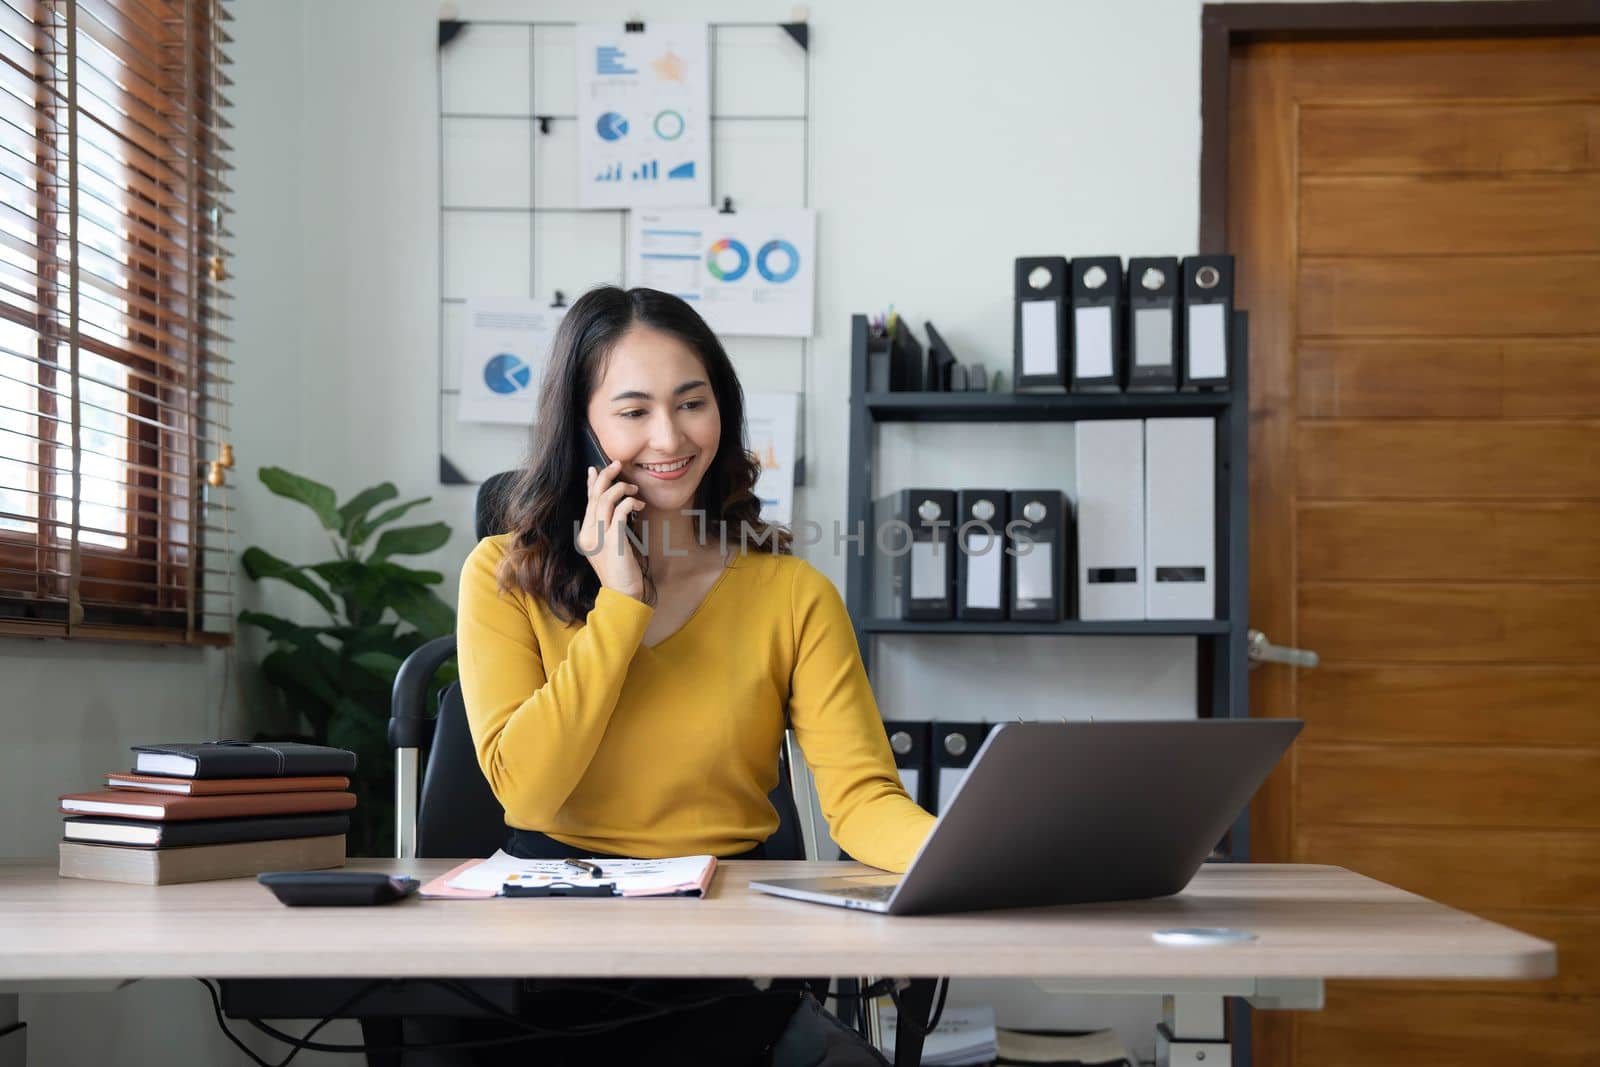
{"points": [[1152, 337], [928, 571], [1208, 341], [1092, 343], [1039, 342], [1034, 574], [983, 570]]}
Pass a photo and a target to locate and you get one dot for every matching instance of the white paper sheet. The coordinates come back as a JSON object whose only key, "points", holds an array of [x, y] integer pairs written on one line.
{"points": [[773, 420], [505, 345], [644, 115], [631, 876], [750, 273], [963, 1036]]}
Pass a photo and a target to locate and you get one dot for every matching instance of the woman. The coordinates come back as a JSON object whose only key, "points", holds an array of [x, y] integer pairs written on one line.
{"points": [[633, 647]]}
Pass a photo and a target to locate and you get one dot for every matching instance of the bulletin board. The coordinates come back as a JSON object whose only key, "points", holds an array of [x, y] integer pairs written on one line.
{"points": [[509, 220]]}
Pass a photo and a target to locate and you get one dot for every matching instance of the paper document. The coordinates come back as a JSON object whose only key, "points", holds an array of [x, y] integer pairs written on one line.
{"points": [[748, 274], [964, 1036], [772, 421], [633, 878], [644, 115]]}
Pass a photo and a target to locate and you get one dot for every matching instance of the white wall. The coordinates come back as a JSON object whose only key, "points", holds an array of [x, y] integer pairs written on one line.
{"points": [[948, 138]]}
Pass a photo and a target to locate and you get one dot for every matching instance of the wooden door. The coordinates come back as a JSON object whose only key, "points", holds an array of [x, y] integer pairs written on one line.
{"points": [[1418, 232]]}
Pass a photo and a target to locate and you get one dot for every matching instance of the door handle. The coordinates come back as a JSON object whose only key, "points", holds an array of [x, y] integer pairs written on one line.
{"points": [[1260, 650]]}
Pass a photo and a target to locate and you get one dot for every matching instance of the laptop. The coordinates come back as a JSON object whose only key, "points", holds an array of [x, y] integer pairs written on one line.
{"points": [[1073, 813]]}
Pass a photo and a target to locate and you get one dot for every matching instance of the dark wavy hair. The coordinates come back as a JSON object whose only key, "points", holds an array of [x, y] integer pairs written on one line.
{"points": [[542, 505]]}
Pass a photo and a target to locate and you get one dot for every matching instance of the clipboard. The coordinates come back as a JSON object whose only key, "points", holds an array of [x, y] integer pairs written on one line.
{"points": [[559, 889], [683, 876]]}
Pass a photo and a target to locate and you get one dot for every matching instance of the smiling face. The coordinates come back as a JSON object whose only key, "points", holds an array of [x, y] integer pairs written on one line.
{"points": [[654, 411]]}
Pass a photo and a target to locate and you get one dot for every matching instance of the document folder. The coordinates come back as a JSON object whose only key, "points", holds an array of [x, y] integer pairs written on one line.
{"points": [[1110, 465], [1097, 324], [1208, 311], [914, 538], [941, 362], [1039, 334], [954, 745], [1041, 547], [909, 742], [905, 359], [1180, 518], [982, 564], [1155, 329]]}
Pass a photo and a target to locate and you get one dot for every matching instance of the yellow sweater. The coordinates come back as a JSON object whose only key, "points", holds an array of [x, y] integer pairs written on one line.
{"points": [[605, 743]]}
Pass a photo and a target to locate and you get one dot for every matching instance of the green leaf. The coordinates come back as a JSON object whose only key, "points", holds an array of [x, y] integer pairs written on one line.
{"points": [[380, 663], [362, 730], [358, 506], [365, 528], [423, 609], [278, 629], [410, 541], [260, 564], [395, 572], [301, 680], [314, 495], [383, 637]]}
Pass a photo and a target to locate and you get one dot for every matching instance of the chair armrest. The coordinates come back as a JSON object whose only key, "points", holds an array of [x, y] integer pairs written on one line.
{"points": [[407, 706]]}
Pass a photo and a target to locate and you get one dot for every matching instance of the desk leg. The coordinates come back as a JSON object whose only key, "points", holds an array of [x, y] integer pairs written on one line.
{"points": [[1192, 1032], [13, 1032], [915, 1002], [868, 1023]]}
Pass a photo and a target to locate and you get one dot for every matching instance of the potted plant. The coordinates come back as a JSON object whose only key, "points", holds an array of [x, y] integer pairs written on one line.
{"points": [[338, 677]]}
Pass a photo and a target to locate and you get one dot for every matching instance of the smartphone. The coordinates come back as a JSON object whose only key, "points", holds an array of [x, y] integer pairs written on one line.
{"points": [[594, 455]]}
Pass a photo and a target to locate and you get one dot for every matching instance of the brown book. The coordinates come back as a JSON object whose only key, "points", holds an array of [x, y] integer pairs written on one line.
{"points": [[201, 863], [205, 787], [166, 807]]}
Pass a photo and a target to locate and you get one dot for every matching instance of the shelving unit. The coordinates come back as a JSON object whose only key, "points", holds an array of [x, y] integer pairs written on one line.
{"points": [[1221, 660]]}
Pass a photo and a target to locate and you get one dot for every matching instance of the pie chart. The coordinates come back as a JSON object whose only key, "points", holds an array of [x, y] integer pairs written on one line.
{"points": [[611, 126], [717, 262], [506, 374]]}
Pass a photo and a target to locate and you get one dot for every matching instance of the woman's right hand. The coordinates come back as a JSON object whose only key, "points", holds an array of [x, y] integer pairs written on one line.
{"points": [[603, 536]]}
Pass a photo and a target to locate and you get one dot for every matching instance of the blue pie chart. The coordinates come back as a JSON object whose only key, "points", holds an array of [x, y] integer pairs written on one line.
{"points": [[785, 253], [506, 374], [611, 126]]}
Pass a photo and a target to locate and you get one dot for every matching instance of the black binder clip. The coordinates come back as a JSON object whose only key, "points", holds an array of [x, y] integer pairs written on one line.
{"points": [[560, 301], [727, 206], [559, 889], [633, 26], [544, 123]]}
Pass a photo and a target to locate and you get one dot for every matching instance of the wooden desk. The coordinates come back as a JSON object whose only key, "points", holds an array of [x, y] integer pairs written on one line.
{"points": [[1311, 923]]}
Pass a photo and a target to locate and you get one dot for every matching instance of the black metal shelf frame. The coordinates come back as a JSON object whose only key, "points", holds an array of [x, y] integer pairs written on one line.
{"points": [[1222, 665]]}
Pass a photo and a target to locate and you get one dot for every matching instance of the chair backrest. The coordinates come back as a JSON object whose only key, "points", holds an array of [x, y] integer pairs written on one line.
{"points": [[491, 504], [457, 812]]}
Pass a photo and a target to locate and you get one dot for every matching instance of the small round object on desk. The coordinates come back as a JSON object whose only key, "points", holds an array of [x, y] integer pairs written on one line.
{"points": [[1202, 935]]}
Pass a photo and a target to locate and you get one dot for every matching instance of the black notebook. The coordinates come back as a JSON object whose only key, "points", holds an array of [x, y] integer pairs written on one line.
{"points": [[146, 834], [242, 759]]}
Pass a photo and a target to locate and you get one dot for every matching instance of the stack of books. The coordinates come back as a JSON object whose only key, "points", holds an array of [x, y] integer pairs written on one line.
{"points": [[212, 809]]}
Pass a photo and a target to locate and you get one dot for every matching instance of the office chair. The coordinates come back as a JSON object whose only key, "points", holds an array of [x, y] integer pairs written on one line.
{"points": [[454, 814]]}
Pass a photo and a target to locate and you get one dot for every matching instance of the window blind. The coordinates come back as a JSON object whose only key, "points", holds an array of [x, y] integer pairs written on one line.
{"points": [[113, 385]]}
